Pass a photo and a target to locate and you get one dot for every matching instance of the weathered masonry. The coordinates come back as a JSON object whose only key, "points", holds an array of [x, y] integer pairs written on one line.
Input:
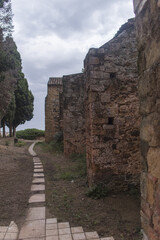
{"points": [[74, 114], [52, 108], [112, 123], [148, 35], [65, 110], [99, 110]]}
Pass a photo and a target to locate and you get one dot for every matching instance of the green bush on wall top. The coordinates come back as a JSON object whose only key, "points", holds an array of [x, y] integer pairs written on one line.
{"points": [[30, 134]]}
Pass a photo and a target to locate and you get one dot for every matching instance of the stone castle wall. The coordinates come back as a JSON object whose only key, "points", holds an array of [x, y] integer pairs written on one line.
{"points": [[148, 35], [73, 114], [65, 109], [52, 108], [100, 109], [112, 131]]}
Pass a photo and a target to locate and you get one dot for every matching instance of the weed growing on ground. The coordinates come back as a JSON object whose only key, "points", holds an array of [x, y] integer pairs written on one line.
{"points": [[55, 146], [20, 144], [97, 191], [7, 143], [133, 190], [77, 168]]}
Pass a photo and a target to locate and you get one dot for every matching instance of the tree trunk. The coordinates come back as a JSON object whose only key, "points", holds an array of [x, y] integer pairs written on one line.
{"points": [[14, 132], [4, 130], [10, 131]]}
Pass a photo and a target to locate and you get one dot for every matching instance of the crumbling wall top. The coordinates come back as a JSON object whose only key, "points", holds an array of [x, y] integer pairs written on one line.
{"points": [[55, 81]]}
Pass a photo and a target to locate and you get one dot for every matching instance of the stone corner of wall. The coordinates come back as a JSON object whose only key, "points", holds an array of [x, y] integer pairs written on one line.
{"points": [[139, 5]]}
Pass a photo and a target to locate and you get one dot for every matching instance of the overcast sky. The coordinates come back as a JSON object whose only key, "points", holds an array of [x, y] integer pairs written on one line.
{"points": [[53, 37]]}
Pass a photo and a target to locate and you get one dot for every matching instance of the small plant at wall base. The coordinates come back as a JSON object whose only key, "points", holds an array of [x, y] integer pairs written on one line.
{"points": [[56, 145], [98, 191], [20, 144]]}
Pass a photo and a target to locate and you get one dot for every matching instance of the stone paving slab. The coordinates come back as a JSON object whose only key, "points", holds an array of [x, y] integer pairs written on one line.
{"points": [[40, 170], [2, 234], [37, 160], [51, 232], [51, 220], [63, 231], [3, 229], [91, 235], [37, 198], [65, 237], [51, 226], [37, 187], [38, 175], [63, 225], [52, 238], [38, 166], [11, 236], [38, 180], [107, 238], [37, 213], [33, 229], [77, 230], [34, 238], [79, 236]]}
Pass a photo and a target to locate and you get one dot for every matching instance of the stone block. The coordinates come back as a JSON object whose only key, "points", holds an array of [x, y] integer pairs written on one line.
{"points": [[37, 198], [33, 229], [153, 161], [37, 187], [93, 60], [37, 213]]}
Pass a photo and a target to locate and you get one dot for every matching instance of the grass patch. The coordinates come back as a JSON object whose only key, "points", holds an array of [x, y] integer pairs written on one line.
{"points": [[97, 191], [55, 146], [20, 144], [30, 134], [7, 143], [76, 168]]}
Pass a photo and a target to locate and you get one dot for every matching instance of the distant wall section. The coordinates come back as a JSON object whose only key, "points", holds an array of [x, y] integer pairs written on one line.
{"points": [[53, 108], [74, 113]]}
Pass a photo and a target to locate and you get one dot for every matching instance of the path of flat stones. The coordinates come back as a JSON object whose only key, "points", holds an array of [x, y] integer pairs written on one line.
{"points": [[36, 226]]}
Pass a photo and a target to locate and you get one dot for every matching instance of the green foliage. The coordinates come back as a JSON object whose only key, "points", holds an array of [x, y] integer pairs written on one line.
{"points": [[97, 191], [7, 143], [20, 144], [30, 134], [24, 102], [133, 190], [56, 145]]}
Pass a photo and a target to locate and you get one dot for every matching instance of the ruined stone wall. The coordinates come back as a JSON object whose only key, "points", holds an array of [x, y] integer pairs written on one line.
{"points": [[53, 108], [73, 114], [148, 35], [112, 114]]}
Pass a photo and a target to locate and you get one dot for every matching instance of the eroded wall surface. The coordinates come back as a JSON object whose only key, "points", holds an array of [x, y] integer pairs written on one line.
{"points": [[148, 35], [53, 108], [74, 114], [112, 114]]}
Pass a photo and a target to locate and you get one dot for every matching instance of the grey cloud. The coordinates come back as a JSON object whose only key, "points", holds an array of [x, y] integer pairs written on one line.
{"points": [[67, 18], [74, 26]]}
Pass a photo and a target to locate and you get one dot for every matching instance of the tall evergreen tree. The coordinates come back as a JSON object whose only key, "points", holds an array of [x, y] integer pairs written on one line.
{"points": [[24, 103]]}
